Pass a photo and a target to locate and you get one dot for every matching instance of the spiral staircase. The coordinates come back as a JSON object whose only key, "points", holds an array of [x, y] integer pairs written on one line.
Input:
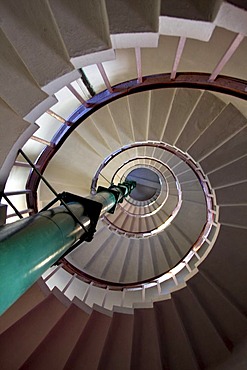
{"points": [[96, 93]]}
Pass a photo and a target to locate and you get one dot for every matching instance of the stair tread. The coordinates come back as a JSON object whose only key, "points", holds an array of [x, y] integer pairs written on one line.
{"points": [[207, 109], [225, 316], [32, 328], [229, 273], [56, 347], [229, 174], [89, 346], [145, 345], [173, 338], [198, 327], [233, 194], [182, 106], [116, 353], [235, 148], [226, 124]]}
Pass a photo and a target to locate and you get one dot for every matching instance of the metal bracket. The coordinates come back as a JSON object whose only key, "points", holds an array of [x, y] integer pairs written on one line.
{"points": [[114, 192], [92, 210]]}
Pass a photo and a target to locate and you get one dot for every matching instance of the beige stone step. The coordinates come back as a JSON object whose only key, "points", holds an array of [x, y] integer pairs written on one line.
{"points": [[198, 326], [232, 149], [145, 345], [222, 312], [161, 104], [199, 120], [229, 174], [55, 349], [225, 264], [228, 123], [173, 338], [116, 353], [232, 194], [28, 332], [34, 40], [15, 78], [89, 346], [233, 215], [120, 113], [84, 30], [182, 107]]}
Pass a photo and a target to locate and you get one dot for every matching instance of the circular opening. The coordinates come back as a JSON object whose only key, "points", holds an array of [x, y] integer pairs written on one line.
{"points": [[147, 183]]}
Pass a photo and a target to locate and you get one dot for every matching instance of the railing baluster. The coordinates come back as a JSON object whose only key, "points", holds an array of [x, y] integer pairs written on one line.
{"points": [[230, 51], [123, 297], [143, 293], [23, 164], [87, 292], [53, 272], [175, 279], [139, 64], [42, 141], [105, 295], [86, 82], [23, 212], [17, 192], [104, 76], [56, 116], [69, 283], [159, 287], [77, 95], [179, 52], [17, 212]]}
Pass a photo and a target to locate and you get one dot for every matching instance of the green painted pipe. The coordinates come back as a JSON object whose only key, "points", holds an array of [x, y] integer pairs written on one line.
{"points": [[28, 247]]}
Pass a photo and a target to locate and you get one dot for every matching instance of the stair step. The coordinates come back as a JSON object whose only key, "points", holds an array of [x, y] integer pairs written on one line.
{"points": [[191, 219], [196, 322], [183, 104], [194, 196], [145, 265], [229, 174], [98, 261], [138, 105], [22, 306], [229, 273], [235, 148], [233, 215], [161, 102], [145, 342], [207, 109], [42, 38], [159, 260], [172, 250], [89, 346], [124, 19], [120, 114], [32, 328], [81, 256], [90, 133], [177, 352], [223, 127], [83, 19], [15, 73], [233, 194], [116, 353], [229, 321], [129, 270], [187, 176], [111, 271], [56, 348]]}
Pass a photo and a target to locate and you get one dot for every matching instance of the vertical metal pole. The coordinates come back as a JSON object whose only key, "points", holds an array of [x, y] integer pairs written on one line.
{"points": [[28, 247]]}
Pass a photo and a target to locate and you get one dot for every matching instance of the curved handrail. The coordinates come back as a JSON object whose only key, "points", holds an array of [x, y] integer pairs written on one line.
{"points": [[224, 84]]}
